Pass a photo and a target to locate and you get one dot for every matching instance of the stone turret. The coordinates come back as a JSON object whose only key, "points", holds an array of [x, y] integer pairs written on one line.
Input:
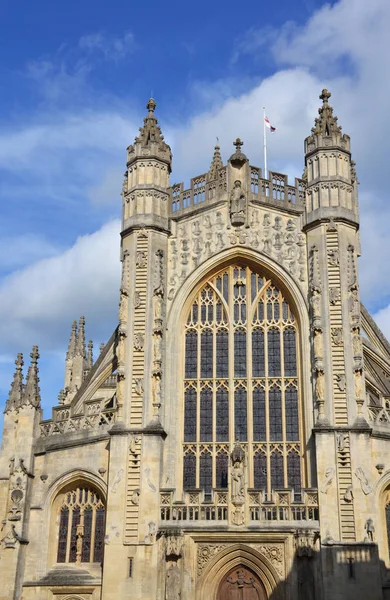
{"points": [[149, 163], [77, 363], [329, 170], [332, 238]]}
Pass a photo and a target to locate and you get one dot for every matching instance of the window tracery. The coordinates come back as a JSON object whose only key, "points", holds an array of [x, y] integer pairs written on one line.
{"points": [[81, 526], [241, 383]]}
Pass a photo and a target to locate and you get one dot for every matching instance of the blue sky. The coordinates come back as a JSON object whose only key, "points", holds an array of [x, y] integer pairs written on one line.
{"points": [[75, 78]]}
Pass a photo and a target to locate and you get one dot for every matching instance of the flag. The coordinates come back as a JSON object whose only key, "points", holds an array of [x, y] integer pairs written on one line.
{"points": [[268, 124]]}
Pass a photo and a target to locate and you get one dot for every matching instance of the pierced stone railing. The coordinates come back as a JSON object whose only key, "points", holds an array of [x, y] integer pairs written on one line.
{"points": [[379, 415], [203, 191], [282, 506], [97, 414]]}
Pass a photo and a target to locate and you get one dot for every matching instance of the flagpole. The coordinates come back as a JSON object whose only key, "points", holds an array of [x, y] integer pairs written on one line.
{"points": [[264, 144]]}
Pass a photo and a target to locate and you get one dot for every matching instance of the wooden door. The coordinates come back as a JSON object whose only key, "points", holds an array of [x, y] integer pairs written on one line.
{"points": [[241, 584]]}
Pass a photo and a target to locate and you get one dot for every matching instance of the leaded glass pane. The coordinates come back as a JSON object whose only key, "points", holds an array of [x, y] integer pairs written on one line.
{"points": [[99, 535], [222, 357], [190, 415], [73, 534], [206, 356], [294, 473], [63, 534], [206, 472], [222, 467], [258, 364], [191, 357], [240, 353], [292, 422], [222, 419], [277, 476], [240, 414], [290, 354], [86, 547], [189, 471], [260, 470], [259, 425], [275, 414], [206, 415], [274, 364]]}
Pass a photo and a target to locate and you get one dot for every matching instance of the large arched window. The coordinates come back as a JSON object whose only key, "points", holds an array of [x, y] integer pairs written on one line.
{"points": [[241, 383], [81, 519]]}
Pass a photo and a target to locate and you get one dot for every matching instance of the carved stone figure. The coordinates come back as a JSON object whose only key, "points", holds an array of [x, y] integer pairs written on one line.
{"points": [[348, 496], [337, 336], [156, 389], [152, 532], [370, 529], [173, 583], [365, 486], [359, 384], [135, 497], [237, 205], [318, 345], [158, 287], [140, 260], [174, 546], [138, 341], [333, 257], [328, 478], [117, 480], [320, 385], [137, 300], [237, 474], [139, 386], [334, 295], [341, 382], [356, 344], [157, 343], [340, 438], [315, 301]]}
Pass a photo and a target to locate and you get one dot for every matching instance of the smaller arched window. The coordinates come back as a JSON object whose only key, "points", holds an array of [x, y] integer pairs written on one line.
{"points": [[81, 526]]}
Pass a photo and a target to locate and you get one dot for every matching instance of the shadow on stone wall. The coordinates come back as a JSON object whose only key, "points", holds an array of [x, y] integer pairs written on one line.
{"points": [[336, 572]]}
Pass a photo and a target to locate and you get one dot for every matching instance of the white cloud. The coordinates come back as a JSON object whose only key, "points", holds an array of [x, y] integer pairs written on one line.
{"points": [[40, 302], [20, 250], [113, 48]]}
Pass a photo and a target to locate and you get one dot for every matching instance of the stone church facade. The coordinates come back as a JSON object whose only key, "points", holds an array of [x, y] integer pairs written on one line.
{"points": [[232, 439]]}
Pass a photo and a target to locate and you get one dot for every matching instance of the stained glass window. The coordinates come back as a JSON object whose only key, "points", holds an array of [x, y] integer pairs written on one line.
{"points": [[81, 527], [241, 383], [388, 526]]}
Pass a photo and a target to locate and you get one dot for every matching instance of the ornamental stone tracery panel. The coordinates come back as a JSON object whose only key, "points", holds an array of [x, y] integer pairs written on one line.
{"points": [[241, 384]]}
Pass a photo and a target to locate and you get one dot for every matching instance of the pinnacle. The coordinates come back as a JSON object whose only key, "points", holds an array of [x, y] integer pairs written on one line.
{"points": [[16, 393], [151, 106], [72, 341], [31, 391], [80, 341], [326, 124], [216, 163]]}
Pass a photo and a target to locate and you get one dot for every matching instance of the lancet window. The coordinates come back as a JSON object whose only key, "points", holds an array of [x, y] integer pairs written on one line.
{"points": [[81, 527], [241, 383]]}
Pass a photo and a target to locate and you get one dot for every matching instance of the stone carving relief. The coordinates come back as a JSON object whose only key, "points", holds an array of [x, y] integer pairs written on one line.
{"points": [[17, 486], [205, 553], [139, 386], [139, 341], [348, 496], [305, 542], [318, 343], [238, 475], [334, 295], [274, 553], [134, 440], [158, 286], [137, 300], [341, 382], [173, 583], [152, 533], [333, 257], [365, 486], [117, 480], [337, 336], [149, 480], [140, 259], [135, 497], [174, 546], [200, 237], [352, 275], [11, 538], [125, 281], [327, 480]]}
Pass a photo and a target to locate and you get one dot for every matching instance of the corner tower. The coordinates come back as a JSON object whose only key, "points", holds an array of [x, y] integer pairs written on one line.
{"points": [[332, 223]]}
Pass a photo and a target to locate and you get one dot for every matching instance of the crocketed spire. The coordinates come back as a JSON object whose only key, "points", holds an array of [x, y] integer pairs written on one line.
{"points": [[32, 395], [80, 342], [216, 163], [150, 133], [72, 341], [89, 362], [326, 123], [16, 394]]}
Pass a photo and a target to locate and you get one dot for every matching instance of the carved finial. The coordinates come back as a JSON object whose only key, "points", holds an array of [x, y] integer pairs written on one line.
{"points": [[31, 396], [101, 347], [325, 95], [80, 342], [151, 106], [238, 144], [90, 355], [326, 123], [72, 341], [216, 163], [16, 393], [61, 397]]}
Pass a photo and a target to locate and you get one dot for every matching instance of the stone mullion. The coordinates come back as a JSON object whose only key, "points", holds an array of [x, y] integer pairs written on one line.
{"points": [[249, 320], [282, 396], [266, 393]]}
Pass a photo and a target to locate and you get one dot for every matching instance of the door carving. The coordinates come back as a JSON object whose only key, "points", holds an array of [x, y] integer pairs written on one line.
{"points": [[241, 584]]}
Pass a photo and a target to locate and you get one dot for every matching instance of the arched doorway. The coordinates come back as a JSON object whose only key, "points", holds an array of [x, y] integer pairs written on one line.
{"points": [[241, 584]]}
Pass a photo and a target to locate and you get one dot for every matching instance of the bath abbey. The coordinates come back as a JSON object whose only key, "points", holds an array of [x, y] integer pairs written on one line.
{"points": [[232, 439]]}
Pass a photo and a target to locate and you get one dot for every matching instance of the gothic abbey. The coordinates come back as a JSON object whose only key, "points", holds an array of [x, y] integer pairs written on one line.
{"points": [[232, 440]]}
